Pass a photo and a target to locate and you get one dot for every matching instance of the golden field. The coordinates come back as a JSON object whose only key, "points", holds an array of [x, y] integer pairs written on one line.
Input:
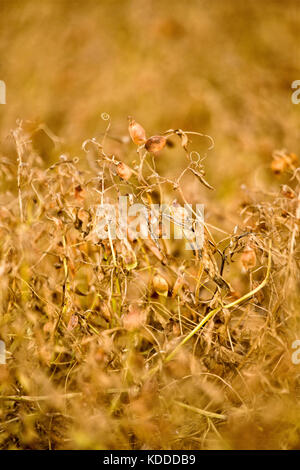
{"points": [[143, 344]]}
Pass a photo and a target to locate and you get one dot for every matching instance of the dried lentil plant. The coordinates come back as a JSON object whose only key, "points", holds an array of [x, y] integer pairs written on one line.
{"points": [[138, 344]]}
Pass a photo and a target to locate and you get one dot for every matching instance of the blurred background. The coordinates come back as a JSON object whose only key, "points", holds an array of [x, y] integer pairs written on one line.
{"points": [[221, 68]]}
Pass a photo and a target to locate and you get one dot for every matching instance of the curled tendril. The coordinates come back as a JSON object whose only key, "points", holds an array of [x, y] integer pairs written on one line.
{"points": [[212, 142], [194, 158], [105, 117], [89, 141]]}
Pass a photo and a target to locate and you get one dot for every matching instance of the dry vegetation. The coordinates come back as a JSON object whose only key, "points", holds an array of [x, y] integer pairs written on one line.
{"points": [[142, 344]]}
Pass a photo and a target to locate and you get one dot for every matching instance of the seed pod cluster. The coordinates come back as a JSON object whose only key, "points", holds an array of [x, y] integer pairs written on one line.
{"points": [[155, 144], [138, 136], [160, 285], [124, 171], [136, 132]]}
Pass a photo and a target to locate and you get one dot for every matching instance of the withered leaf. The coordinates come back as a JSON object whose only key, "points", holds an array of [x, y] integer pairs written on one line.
{"points": [[73, 322], [201, 179]]}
